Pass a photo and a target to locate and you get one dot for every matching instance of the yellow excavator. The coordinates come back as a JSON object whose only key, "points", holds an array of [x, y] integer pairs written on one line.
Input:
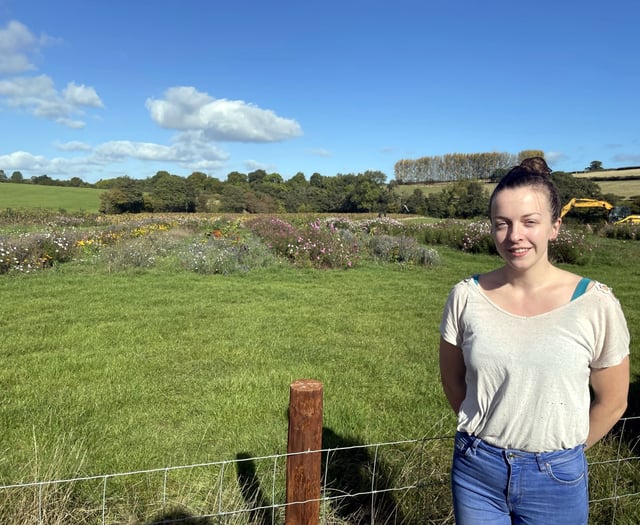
{"points": [[617, 214]]}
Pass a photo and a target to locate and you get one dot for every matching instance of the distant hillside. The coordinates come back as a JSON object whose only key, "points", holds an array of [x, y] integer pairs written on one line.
{"points": [[621, 173], [623, 187], [17, 196], [624, 182]]}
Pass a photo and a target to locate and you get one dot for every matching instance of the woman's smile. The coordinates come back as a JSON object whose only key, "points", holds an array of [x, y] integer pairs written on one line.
{"points": [[519, 252]]}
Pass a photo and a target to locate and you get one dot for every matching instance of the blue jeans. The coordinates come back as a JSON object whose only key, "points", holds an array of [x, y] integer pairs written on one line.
{"points": [[498, 486]]}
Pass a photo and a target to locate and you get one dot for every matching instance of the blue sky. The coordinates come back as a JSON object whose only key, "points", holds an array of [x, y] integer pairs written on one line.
{"points": [[100, 89]]}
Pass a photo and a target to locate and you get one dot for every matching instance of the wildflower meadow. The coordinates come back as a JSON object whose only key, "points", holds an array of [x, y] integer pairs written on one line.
{"points": [[227, 244], [206, 244]]}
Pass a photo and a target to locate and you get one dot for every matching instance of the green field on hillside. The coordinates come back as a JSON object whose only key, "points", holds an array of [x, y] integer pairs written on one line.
{"points": [[16, 196], [632, 172], [623, 188]]}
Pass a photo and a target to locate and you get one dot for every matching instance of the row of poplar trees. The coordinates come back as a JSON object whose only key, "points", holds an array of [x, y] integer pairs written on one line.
{"points": [[458, 166]]}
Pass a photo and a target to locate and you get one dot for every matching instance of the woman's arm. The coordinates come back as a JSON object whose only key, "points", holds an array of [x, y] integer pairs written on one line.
{"points": [[610, 389], [452, 374]]}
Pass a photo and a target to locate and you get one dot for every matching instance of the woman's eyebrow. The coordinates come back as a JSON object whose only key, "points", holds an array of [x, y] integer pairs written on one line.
{"points": [[531, 214]]}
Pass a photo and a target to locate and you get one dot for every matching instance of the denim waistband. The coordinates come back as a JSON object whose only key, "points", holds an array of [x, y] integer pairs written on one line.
{"points": [[474, 443]]}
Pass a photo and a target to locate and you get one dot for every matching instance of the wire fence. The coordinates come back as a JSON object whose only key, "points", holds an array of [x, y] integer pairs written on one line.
{"points": [[402, 482]]}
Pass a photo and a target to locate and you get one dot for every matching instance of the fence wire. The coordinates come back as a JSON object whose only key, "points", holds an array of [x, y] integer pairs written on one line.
{"points": [[402, 482]]}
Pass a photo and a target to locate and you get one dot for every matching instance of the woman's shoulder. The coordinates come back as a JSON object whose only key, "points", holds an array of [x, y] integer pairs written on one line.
{"points": [[461, 288], [598, 295], [602, 290], [469, 281]]}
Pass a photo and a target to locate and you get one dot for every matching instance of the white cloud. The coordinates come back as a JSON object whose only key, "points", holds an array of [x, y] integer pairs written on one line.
{"points": [[205, 166], [190, 155], [16, 41], [16, 44], [81, 96], [253, 165], [185, 108], [554, 157], [34, 165], [39, 97], [74, 145], [122, 149], [319, 152], [71, 123], [187, 154], [21, 160]]}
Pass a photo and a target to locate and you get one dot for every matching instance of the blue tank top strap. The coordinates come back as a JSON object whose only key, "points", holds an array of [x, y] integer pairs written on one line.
{"points": [[581, 288], [476, 278]]}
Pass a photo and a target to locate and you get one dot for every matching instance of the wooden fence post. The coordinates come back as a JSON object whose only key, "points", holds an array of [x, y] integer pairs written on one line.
{"points": [[303, 470]]}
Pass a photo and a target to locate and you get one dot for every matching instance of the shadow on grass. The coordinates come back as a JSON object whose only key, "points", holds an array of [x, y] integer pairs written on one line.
{"points": [[614, 471], [348, 476], [178, 517], [261, 512], [629, 431], [357, 482]]}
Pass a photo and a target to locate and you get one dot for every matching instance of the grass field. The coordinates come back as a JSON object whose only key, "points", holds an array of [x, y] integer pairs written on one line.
{"points": [[116, 371], [154, 369], [608, 173], [17, 196], [626, 188], [622, 188]]}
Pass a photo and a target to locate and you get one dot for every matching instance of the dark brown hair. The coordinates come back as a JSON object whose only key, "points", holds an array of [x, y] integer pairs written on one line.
{"points": [[531, 172]]}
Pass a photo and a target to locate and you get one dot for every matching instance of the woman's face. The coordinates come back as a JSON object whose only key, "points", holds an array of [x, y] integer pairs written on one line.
{"points": [[522, 227]]}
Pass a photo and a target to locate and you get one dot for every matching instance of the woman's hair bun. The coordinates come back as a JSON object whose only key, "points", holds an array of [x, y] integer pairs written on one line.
{"points": [[533, 171], [536, 165]]}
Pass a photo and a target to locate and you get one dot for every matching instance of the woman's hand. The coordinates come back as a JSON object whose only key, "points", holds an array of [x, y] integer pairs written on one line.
{"points": [[610, 390], [452, 374]]}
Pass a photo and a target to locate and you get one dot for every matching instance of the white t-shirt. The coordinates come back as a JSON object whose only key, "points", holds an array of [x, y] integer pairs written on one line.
{"points": [[528, 377]]}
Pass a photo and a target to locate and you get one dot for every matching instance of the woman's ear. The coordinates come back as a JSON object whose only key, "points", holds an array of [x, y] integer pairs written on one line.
{"points": [[555, 229]]}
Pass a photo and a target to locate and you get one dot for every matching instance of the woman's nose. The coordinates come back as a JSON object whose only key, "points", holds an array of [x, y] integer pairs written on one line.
{"points": [[515, 233]]}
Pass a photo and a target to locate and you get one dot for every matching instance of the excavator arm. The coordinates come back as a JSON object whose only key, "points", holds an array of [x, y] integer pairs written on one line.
{"points": [[585, 203]]}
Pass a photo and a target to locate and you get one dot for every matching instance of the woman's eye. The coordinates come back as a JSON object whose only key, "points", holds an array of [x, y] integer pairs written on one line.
{"points": [[499, 225]]}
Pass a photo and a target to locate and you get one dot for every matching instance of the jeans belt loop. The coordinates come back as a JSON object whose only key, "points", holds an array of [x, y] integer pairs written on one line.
{"points": [[474, 445]]}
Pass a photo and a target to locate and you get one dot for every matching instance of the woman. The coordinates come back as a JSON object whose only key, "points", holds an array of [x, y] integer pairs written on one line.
{"points": [[519, 347]]}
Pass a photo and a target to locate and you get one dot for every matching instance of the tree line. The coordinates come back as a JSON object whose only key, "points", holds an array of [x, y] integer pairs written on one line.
{"points": [[255, 192], [261, 192], [44, 180]]}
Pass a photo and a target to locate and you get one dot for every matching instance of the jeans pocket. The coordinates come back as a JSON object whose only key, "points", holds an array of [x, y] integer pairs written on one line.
{"points": [[567, 470], [463, 444]]}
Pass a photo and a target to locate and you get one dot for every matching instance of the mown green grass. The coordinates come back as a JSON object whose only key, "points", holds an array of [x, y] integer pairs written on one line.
{"points": [[17, 196], [158, 368]]}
